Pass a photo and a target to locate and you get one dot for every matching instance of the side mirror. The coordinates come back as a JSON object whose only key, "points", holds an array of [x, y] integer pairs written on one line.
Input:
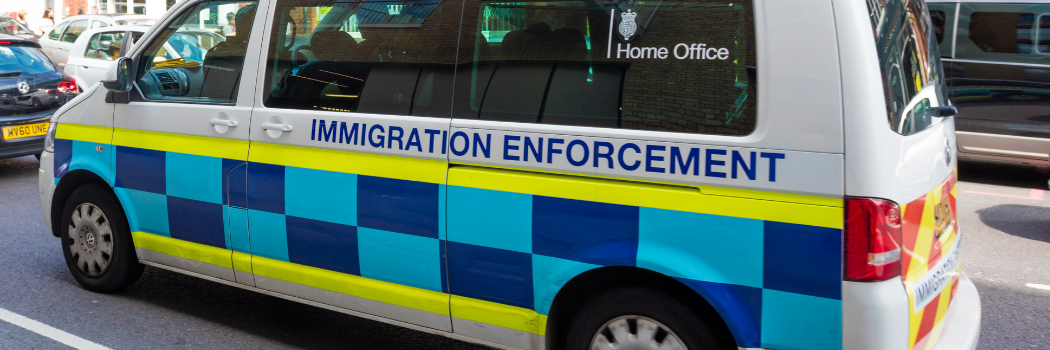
{"points": [[944, 111], [118, 78]]}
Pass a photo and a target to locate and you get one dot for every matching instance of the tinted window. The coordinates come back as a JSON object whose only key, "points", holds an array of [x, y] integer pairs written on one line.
{"points": [[24, 59], [942, 16], [57, 31], [75, 29], [682, 66], [178, 66], [909, 58], [105, 46], [1004, 33], [369, 57]]}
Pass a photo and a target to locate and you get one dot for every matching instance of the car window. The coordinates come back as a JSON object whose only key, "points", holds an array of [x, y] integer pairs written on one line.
{"points": [[105, 46], [364, 57], [57, 31], [98, 24], [178, 66], [1011, 33], [75, 29], [25, 59], [909, 58], [12, 27], [942, 16]]}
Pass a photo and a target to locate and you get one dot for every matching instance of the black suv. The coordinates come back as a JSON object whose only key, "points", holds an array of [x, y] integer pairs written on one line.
{"points": [[31, 89]]}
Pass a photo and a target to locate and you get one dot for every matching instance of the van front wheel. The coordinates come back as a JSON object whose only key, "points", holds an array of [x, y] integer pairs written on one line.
{"points": [[638, 318], [96, 242]]}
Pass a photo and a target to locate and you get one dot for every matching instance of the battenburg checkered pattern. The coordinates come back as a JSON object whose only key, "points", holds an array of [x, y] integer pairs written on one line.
{"points": [[777, 285]]}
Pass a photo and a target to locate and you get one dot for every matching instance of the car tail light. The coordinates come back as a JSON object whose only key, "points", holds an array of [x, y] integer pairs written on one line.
{"points": [[873, 240], [5, 43], [68, 85]]}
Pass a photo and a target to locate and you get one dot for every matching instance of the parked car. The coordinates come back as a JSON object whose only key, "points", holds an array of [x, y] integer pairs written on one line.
{"points": [[997, 59], [57, 42], [93, 52], [31, 89], [10, 26]]}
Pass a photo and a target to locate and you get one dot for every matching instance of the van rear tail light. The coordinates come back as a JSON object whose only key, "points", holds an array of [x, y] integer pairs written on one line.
{"points": [[873, 240]]}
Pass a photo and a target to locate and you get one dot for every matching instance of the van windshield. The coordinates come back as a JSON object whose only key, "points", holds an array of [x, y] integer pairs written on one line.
{"points": [[909, 58]]}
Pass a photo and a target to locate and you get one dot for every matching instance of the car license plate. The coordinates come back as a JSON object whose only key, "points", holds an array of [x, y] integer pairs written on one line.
{"points": [[21, 131]]}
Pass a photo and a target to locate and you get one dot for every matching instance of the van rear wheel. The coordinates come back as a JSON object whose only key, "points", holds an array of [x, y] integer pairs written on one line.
{"points": [[638, 318], [96, 242]]}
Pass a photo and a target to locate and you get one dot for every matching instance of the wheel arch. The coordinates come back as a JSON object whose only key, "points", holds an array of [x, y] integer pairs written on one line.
{"points": [[707, 300], [70, 182]]}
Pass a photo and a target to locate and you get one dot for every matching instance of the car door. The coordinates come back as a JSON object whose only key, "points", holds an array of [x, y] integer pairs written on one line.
{"points": [[1000, 81], [346, 172], [49, 41], [179, 139], [60, 49], [91, 65]]}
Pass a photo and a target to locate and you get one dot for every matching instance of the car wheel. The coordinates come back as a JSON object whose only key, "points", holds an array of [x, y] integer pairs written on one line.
{"points": [[638, 318], [37, 156], [96, 241]]}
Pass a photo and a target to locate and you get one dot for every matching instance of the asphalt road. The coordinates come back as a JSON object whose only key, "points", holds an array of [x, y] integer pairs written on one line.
{"points": [[1006, 247]]}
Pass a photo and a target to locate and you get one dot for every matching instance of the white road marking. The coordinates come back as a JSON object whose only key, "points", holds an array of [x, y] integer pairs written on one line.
{"points": [[1037, 286], [48, 331]]}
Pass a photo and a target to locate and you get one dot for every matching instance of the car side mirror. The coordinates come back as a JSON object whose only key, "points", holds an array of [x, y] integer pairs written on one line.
{"points": [[118, 78], [944, 111]]}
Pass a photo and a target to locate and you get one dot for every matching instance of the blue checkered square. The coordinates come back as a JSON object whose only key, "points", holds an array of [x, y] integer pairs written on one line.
{"points": [[496, 275], [589, 232], [141, 169], [322, 244], [196, 221]]}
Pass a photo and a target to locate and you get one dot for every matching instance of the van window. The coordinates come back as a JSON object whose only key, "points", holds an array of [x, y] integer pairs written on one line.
{"points": [[191, 61], [1012, 33], [942, 15], [368, 57], [681, 66], [909, 58], [75, 29], [104, 46]]}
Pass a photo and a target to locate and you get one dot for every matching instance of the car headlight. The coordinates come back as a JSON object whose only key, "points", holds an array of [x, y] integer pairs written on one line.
{"points": [[49, 140]]}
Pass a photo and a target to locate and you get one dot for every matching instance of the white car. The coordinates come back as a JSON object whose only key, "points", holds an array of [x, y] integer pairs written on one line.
{"points": [[91, 55], [57, 42]]}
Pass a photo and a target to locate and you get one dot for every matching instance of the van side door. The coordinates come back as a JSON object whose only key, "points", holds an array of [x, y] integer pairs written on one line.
{"points": [[181, 140], [1000, 81], [346, 173]]}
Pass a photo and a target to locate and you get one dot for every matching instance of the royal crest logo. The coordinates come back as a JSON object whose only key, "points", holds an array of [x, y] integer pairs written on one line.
{"points": [[628, 27]]}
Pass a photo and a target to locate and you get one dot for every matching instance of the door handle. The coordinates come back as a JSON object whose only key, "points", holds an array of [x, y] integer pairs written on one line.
{"points": [[224, 122], [277, 127], [85, 67]]}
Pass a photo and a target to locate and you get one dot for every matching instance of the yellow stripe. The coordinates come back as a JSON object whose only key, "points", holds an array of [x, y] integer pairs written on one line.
{"points": [[196, 145], [182, 249], [645, 195], [410, 297], [404, 168], [87, 133], [496, 314], [718, 191], [242, 262]]}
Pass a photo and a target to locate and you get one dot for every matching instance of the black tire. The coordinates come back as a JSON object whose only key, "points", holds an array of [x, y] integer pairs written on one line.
{"points": [[638, 301], [124, 268], [37, 156]]}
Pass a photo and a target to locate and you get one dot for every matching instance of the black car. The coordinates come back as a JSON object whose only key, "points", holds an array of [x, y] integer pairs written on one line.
{"points": [[31, 89]]}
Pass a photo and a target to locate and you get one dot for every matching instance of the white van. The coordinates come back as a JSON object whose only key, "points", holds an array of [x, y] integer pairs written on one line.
{"points": [[537, 174]]}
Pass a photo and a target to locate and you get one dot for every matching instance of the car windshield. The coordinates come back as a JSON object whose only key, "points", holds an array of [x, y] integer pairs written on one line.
{"points": [[12, 27], [135, 22], [24, 59]]}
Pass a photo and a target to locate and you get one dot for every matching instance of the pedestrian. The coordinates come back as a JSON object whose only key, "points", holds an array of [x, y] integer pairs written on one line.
{"points": [[80, 11], [230, 27], [22, 18], [46, 22], [94, 10]]}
